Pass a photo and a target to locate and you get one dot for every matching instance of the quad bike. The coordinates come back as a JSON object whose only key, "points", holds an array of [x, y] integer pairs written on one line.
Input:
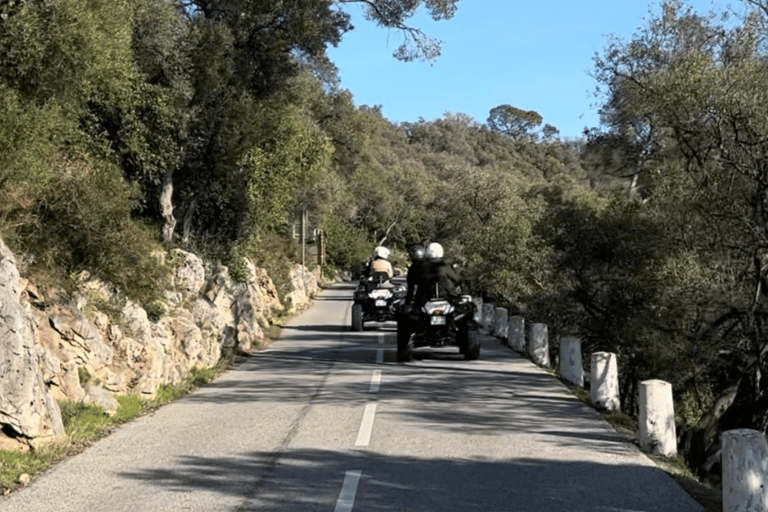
{"points": [[375, 300], [438, 322]]}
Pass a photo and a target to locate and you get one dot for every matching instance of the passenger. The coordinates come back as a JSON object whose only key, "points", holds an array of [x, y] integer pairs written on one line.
{"points": [[440, 279], [381, 263]]}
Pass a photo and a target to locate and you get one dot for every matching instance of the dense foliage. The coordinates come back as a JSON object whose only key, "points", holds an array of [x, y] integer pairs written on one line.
{"points": [[129, 125]]}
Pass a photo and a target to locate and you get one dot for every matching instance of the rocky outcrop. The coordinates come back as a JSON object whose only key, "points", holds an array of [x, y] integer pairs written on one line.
{"points": [[305, 284], [95, 344], [27, 411]]}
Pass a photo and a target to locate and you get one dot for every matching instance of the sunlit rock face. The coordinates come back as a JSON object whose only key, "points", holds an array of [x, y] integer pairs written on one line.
{"points": [[27, 410], [64, 346]]}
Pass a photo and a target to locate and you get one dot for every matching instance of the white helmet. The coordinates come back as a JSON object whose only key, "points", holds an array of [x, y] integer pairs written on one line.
{"points": [[434, 251], [381, 252]]}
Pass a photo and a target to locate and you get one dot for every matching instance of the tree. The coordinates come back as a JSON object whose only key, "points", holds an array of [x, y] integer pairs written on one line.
{"points": [[513, 121], [550, 132], [687, 92], [393, 14], [257, 48]]}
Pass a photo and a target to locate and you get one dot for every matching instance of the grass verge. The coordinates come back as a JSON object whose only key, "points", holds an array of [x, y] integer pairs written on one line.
{"points": [[86, 423]]}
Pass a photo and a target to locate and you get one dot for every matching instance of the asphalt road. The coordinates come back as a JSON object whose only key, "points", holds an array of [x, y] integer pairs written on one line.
{"points": [[326, 420]]}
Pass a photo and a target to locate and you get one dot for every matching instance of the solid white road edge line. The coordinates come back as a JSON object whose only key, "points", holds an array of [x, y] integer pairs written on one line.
{"points": [[348, 491], [366, 427]]}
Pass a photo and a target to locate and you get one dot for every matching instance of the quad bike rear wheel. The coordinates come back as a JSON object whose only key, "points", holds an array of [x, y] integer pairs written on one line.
{"points": [[469, 343], [357, 317], [404, 342]]}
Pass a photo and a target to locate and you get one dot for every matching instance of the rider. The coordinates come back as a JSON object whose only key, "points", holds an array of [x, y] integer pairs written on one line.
{"points": [[416, 272], [381, 262], [440, 279]]}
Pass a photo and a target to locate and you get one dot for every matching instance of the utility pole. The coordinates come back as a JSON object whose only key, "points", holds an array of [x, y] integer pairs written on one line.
{"points": [[303, 237]]}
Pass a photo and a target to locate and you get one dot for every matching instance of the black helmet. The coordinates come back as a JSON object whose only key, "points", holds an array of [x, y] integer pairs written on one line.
{"points": [[417, 253]]}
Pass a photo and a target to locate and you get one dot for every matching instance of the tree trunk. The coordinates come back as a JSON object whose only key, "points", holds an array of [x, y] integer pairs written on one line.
{"points": [[187, 229], [166, 209]]}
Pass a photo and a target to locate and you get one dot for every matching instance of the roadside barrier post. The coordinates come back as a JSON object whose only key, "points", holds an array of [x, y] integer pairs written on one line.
{"points": [[604, 380], [516, 333], [570, 360], [478, 301], [745, 471], [657, 418], [488, 312], [538, 346], [500, 323]]}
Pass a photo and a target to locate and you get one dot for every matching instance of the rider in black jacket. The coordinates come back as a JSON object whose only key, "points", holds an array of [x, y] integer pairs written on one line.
{"points": [[439, 279], [416, 272]]}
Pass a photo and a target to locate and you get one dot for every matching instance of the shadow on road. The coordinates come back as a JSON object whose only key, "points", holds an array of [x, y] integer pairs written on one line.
{"points": [[311, 479], [449, 394]]}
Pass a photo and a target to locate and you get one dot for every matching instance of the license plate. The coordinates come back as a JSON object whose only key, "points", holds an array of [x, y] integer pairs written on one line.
{"points": [[381, 303], [437, 320]]}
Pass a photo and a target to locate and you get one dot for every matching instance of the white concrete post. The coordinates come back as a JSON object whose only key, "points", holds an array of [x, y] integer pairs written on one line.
{"points": [[488, 312], [538, 344], [500, 323], [478, 301], [657, 418], [745, 471], [570, 360], [516, 333], [604, 380]]}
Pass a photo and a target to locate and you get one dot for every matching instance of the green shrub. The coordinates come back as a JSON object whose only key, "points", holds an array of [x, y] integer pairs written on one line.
{"points": [[14, 463], [347, 246], [131, 406], [200, 376], [83, 375], [83, 422], [82, 221], [155, 310], [168, 393]]}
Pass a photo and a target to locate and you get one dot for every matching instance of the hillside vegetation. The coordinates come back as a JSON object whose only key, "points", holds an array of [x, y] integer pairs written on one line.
{"points": [[127, 126]]}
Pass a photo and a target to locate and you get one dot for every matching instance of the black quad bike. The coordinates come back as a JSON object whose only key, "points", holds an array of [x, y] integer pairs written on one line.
{"points": [[374, 301], [438, 323]]}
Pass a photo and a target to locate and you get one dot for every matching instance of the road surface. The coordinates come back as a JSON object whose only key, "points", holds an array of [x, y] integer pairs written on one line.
{"points": [[326, 420]]}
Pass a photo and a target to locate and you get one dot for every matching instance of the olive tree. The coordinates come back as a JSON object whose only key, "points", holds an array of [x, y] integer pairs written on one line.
{"points": [[688, 91]]}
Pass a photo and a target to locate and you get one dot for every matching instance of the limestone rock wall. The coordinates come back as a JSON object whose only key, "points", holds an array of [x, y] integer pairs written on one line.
{"points": [[63, 347], [27, 410]]}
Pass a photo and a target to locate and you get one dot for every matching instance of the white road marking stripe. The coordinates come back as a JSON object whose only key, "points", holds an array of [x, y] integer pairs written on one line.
{"points": [[366, 427], [348, 491], [375, 381]]}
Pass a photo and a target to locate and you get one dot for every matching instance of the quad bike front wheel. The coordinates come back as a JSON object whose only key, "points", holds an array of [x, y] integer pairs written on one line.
{"points": [[469, 344], [357, 317], [404, 342]]}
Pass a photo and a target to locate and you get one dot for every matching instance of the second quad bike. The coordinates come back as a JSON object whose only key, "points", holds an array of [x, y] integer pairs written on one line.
{"points": [[438, 322], [375, 300]]}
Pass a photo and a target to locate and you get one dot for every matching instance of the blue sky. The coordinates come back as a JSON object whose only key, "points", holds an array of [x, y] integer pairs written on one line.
{"points": [[531, 55]]}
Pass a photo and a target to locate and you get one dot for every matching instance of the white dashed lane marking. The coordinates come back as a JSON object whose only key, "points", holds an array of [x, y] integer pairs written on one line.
{"points": [[348, 491], [375, 381], [366, 427], [346, 500]]}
